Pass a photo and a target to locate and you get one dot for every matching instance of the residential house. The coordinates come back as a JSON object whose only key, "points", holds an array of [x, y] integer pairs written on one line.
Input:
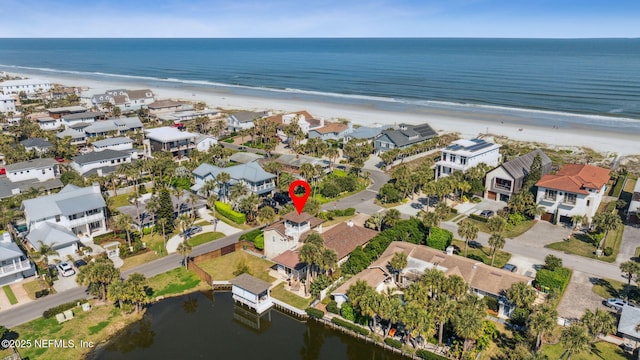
{"points": [[483, 280], [403, 137], [28, 86], [185, 203], [252, 292], [305, 120], [137, 99], [346, 237], [462, 155], [14, 264], [245, 157], [292, 163], [364, 132], [331, 131], [507, 179], [60, 112], [36, 169], [628, 326], [186, 115], [117, 126], [58, 219], [252, 175], [49, 123], [205, 142], [126, 100], [7, 103], [576, 189], [86, 117], [164, 106], [100, 162], [243, 119], [77, 137], [38, 145], [9, 188], [169, 139], [118, 143], [633, 214], [289, 232]]}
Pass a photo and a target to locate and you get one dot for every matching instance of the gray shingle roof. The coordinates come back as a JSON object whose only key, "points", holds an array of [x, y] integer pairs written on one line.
{"points": [[364, 132], [6, 186], [75, 134], [96, 156], [244, 157], [251, 172], [83, 115], [520, 166], [36, 142], [51, 234], [251, 284], [111, 141], [10, 251], [402, 137], [82, 199], [31, 164], [629, 319], [113, 125], [248, 116]]}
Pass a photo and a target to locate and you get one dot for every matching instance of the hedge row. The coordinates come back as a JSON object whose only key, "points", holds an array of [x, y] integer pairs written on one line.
{"points": [[557, 279], [350, 326], [439, 238], [393, 342], [315, 313], [251, 235], [226, 211], [60, 308], [427, 355], [331, 214], [478, 218], [332, 307]]}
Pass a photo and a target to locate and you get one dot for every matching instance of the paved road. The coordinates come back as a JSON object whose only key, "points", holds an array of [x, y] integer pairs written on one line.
{"points": [[20, 314], [363, 201]]}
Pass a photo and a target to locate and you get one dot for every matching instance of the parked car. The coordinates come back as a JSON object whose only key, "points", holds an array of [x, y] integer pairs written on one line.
{"points": [[617, 304], [79, 263], [194, 230], [282, 198], [59, 159], [487, 213], [65, 269], [510, 267]]}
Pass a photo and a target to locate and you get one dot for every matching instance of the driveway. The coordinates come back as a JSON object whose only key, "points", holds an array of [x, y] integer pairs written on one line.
{"points": [[543, 233], [66, 283], [630, 241], [578, 296]]}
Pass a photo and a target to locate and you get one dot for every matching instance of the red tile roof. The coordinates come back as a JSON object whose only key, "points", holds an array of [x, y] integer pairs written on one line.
{"points": [[332, 128], [575, 178]]}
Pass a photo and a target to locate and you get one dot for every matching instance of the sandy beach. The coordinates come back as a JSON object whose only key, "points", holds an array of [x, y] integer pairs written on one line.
{"points": [[468, 123]]}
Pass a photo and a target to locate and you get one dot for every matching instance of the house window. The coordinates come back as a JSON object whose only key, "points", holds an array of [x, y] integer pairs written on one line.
{"points": [[452, 158], [57, 218], [588, 202], [570, 198], [463, 160], [550, 194], [43, 171], [503, 184]]}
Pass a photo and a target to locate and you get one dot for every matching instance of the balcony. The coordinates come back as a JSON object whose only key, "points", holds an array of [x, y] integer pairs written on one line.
{"points": [[14, 268], [86, 220], [295, 231]]}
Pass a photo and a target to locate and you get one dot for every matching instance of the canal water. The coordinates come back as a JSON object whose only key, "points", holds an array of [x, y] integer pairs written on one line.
{"points": [[208, 325]]}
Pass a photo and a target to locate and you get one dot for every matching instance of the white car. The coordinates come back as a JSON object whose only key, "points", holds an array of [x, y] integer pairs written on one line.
{"points": [[65, 269], [617, 304]]}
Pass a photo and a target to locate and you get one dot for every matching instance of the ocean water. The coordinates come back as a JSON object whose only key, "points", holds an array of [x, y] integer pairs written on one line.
{"points": [[595, 77]]}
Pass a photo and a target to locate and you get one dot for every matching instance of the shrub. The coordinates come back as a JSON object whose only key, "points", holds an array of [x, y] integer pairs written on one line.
{"points": [[608, 251], [42, 293], [393, 342], [332, 307], [492, 303], [453, 211], [350, 326], [251, 235], [347, 312], [552, 262], [427, 355], [557, 279], [389, 194], [226, 211], [60, 308], [516, 219], [519, 316], [259, 242], [330, 190], [315, 313], [439, 238], [478, 218]]}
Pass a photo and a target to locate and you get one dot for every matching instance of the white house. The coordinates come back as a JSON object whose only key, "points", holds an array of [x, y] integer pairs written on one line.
{"points": [[77, 137], [507, 179], [29, 86], [37, 145], [205, 142], [252, 292], [118, 143], [79, 118], [305, 121], [576, 189], [107, 160], [462, 155], [331, 131], [14, 265], [57, 219], [243, 119], [287, 233], [49, 123], [36, 169], [7, 104], [170, 139]]}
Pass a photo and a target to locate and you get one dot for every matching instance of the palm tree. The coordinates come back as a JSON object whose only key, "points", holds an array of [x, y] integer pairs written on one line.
{"points": [[398, 262], [375, 222], [211, 202], [599, 323], [391, 218], [184, 249], [250, 204], [606, 221], [496, 241], [629, 268], [223, 179], [469, 320], [163, 222], [117, 291], [496, 224], [430, 219], [123, 223], [266, 215], [183, 222], [575, 339], [521, 295], [542, 320], [443, 311], [332, 153], [209, 187], [237, 191], [468, 230], [44, 252]]}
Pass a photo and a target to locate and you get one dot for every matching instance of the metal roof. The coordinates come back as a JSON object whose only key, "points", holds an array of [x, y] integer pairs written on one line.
{"points": [[251, 284], [68, 201], [112, 141], [251, 172], [103, 155], [31, 164], [54, 235]]}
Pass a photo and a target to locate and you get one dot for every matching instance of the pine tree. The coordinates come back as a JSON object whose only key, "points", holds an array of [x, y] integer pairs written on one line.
{"points": [[165, 210]]}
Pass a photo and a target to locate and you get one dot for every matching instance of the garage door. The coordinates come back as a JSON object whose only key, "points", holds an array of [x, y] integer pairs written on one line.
{"points": [[491, 195], [547, 217]]}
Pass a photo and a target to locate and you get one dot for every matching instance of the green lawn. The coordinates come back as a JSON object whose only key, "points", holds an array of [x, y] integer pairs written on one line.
{"points": [[202, 223], [137, 260], [230, 222], [119, 200], [511, 231], [582, 245], [608, 288], [205, 238], [222, 268], [174, 282], [482, 253], [599, 351], [32, 287], [10, 295], [337, 220], [290, 298]]}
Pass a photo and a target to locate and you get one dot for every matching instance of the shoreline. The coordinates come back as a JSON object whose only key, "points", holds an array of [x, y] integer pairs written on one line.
{"points": [[617, 136]]}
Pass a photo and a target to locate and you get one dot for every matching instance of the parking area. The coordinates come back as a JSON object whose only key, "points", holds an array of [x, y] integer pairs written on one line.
{"points": [[526, 266], [65, 283], [578, 297]]}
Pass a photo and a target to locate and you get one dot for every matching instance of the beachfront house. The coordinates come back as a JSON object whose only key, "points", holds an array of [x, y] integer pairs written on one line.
{"points": [[403, 137], [463, 154], [507, 179], [58, 219], [183, 115], [7, 103], [252, 292], [78, 137], [251, 175], [243, 119], [117, 126], [169, 139], [286, 234], [60, 112], [365, 133], [633, 214], [576, 189], [331, 131], [100, 162], [118, 143], [37, 145], [483, 280], [304, 119], [14, 264], [166, 106], [87, 117], [28, 86]]}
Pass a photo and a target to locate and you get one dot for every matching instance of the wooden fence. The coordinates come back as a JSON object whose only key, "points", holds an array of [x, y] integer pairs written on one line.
{"points": [[203, 275]]}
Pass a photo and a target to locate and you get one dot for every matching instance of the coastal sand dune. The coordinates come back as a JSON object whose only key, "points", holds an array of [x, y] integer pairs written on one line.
{"points": [[467, 122]]}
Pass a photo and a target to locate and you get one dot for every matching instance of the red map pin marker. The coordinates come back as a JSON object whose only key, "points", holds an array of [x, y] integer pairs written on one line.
{"points": [[299, 201]]}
